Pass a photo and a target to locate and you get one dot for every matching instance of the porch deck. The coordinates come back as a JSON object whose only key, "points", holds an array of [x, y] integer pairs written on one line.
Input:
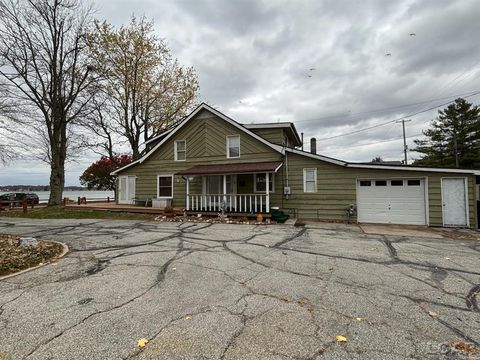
{"points": [[104, 206], [112, 207]]}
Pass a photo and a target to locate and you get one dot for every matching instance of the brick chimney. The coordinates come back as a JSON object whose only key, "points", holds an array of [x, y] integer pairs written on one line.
{"points": [[313, 145]]}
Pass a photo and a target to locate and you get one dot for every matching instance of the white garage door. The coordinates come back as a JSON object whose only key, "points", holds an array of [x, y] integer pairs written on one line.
{"points": [[391, 201]]}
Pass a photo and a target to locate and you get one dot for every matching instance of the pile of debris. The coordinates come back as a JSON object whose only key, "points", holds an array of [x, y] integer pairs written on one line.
{"points": [[20, 253], [214, 219]]}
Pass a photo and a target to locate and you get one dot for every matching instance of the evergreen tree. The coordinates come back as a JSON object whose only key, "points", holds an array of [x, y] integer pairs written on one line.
{"points": [[453, 140]]}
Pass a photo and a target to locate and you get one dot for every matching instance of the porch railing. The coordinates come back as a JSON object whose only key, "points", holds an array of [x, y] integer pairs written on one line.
{"points": [[247, 203]]}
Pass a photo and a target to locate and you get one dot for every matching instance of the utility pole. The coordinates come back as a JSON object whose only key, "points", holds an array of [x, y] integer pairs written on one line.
{"points": [[455, 145], [405, 148]]}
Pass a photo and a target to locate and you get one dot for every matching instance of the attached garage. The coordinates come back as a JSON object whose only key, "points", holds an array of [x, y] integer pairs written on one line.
{"points": [[392, 201]]}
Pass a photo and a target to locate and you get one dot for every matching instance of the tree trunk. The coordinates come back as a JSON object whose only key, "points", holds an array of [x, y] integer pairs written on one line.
{"points": [[58, 150], [135, 153], [455, 149], [57, 179]]}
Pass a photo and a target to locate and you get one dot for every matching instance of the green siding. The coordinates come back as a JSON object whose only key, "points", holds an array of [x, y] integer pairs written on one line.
{"points": [[336, 189], [276, 136], [206, 144]]}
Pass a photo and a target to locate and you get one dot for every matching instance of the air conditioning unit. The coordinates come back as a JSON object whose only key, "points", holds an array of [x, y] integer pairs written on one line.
{"points": [[161, 203], [286, 190]]}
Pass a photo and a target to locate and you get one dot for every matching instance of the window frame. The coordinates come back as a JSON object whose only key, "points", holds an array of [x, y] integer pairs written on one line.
{"points": [[305, 180], [175, 150], [271, 178], [228, 146], [158, 186], [398, 182]]}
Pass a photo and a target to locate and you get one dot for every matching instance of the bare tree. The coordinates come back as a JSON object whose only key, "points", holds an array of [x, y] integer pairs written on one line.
{"points": [[7, 146], [144, 89], [47, 73]]}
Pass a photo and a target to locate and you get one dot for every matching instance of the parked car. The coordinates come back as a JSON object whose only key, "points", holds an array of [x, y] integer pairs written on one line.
{"points": [[7, 197], [31, 197]]}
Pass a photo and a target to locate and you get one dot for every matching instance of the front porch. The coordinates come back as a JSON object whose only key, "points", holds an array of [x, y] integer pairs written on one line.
{"points": [[230, 188], [244, 203]]}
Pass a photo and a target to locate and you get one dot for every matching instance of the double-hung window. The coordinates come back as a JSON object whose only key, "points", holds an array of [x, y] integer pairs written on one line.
{"points": [[180, 150], [165, 186], [309, 180], [233, 146], [260, 182]]}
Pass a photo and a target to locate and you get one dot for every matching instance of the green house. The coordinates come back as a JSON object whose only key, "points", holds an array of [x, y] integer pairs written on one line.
{"points": [[210, 163]]}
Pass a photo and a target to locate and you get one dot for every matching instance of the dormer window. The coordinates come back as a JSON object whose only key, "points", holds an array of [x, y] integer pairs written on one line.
{"points": [[233, 146], [180, 150]]}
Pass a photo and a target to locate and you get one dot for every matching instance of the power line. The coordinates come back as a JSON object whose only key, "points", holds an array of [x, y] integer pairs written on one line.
{"points": [[378, 142], [394, 120], [384, 109], [457, 78]]}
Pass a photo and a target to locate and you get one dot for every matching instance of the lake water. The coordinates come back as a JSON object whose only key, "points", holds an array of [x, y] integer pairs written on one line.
{"points": [[73, 195]]}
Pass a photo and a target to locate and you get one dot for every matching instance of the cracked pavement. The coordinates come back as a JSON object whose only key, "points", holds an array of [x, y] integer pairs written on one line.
{"points": [[222, 291]]}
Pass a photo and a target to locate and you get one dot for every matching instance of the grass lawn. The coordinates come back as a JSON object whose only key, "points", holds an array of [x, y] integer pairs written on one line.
{"points": [[58, 212]]}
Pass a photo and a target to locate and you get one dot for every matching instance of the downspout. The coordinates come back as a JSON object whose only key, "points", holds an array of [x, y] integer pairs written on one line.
{"points": [[286, 171]]}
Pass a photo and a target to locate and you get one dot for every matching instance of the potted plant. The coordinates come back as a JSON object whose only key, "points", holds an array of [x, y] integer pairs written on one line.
{"points": [[168, 212]]}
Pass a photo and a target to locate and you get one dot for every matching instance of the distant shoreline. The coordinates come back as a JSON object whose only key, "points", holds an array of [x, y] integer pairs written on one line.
{"points": [[15, 188]]}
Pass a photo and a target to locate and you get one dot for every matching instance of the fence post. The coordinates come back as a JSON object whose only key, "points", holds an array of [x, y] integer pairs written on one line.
{"points": [[78, 201], [108, 199], [24, 205]]}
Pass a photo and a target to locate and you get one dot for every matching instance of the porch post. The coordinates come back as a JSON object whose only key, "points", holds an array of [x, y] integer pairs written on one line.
{"points": [[267, 191], [188, 193], [224, 192]]}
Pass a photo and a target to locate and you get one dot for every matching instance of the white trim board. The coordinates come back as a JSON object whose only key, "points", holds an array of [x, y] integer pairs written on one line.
{"points": [[268, 125], [410, 168], [281, 125], [159, 136], [227, 141], [282, 150], [271, 177], [318, 157], [175, 150], [158, 186], [305, 180], [380, 167], [201, 107]]}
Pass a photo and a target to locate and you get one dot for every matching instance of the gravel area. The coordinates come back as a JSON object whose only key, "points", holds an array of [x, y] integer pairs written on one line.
{"points": [[15, 257]]}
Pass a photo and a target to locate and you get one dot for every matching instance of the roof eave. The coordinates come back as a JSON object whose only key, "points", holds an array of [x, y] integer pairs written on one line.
{"points": [[410, 168]]}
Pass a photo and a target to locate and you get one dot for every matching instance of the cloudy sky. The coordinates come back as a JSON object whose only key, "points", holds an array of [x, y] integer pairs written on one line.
{"points": [[332, 67]]}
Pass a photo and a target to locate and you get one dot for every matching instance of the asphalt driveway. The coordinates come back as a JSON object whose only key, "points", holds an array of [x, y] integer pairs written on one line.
{"points": [[202, 291]]}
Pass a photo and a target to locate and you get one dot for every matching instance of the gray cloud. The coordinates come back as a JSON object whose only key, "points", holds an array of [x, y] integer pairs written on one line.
{"points": [[253, 59]]}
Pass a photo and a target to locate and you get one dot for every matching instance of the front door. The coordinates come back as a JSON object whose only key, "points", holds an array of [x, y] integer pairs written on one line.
{"points": [[126, 191], [454, 202], [231, 184]]}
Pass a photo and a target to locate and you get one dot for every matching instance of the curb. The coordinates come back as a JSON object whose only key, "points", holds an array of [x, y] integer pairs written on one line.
{"points": [[62, 254]]}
